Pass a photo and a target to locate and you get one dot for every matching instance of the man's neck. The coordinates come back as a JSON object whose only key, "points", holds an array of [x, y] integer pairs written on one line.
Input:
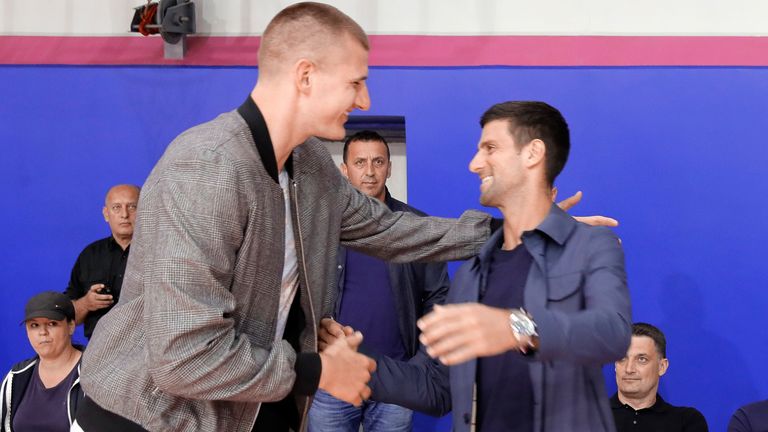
{"points": [[124, 242], [639, 403], [382, 196], [280, 117], [522, 213]]}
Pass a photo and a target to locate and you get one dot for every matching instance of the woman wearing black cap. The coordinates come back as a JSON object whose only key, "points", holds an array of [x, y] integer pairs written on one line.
{"points": [[42, 393]]}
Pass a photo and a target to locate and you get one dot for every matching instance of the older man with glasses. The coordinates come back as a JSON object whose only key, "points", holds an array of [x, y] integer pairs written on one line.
{"points": [[98, 272]]}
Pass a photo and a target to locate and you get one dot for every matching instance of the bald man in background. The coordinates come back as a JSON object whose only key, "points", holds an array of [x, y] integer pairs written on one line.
{"points": [[96, 279]]}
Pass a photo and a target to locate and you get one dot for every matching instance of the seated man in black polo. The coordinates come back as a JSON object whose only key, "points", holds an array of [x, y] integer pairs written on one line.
{"points": [[98, 272], [637, 406]]}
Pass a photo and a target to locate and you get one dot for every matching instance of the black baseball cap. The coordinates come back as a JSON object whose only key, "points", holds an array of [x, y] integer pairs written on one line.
{"points": [[49, 304]]}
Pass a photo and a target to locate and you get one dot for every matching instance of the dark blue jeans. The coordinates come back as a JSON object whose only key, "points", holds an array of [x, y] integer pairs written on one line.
{"points": [[329, 414]]}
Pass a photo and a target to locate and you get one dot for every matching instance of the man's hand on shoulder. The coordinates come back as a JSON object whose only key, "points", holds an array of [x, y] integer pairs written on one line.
{"points": [[574, 199]]}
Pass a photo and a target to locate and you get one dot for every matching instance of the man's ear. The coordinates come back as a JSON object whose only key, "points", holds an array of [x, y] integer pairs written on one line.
{"points": [[105, 212], [389, 168], [304, 69], [343, 168], [534, 153], [663, 366]]}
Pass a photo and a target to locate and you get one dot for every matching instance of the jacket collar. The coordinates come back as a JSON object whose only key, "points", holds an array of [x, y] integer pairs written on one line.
{"points": [[258, 127], [389, 201], [557, 226]]}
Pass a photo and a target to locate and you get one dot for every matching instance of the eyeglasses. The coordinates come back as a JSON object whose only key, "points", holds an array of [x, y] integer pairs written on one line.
{"points": [[117, 209]]}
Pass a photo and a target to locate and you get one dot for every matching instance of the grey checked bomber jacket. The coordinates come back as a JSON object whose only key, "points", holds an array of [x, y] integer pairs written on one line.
{"points": [[190, 345]]}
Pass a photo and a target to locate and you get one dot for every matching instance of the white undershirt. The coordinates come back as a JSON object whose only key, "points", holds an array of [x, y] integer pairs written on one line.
{"points": [[290, 265]]}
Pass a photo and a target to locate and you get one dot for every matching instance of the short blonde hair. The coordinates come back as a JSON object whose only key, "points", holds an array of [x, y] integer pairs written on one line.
{"points": [[305, 30]]}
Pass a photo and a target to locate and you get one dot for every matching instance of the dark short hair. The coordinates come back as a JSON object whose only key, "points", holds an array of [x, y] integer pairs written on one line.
{"points": [[653, 332], [530, 120], [364, 135]]}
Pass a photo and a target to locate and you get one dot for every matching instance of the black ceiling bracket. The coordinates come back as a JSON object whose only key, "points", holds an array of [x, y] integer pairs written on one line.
{"points": [[172, 19]]}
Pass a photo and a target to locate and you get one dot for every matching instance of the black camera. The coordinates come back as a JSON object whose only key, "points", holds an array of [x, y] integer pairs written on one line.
{"points": [[106, 289]]}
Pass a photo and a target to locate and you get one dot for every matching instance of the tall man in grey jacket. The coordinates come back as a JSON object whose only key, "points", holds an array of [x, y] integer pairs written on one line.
{"points": [[234, 253]]}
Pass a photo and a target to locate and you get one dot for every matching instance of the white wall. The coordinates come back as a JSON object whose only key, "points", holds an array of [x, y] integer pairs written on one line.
{"points": [[438, 17]]}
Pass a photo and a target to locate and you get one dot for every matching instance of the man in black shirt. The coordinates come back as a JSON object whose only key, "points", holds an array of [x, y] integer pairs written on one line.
{"points": [[637, 406], [97, 276]]}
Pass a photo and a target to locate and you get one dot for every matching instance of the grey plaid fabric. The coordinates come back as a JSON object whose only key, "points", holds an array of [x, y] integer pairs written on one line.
{"points": [[190, 347]]}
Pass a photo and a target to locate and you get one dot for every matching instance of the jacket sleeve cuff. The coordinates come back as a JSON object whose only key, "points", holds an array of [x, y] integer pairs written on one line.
{"points": [[308, 368], [368, 351]]}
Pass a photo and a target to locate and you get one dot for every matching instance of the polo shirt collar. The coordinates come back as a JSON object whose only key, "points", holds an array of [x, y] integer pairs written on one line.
{"points": [[659, 406]]}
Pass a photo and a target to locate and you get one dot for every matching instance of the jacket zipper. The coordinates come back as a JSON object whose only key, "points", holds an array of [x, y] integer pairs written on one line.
{"points": [[295, 197]]}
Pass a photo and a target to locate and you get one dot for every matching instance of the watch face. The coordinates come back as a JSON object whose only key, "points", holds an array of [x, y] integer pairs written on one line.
{"points": [[523, 328], [522, 325]]}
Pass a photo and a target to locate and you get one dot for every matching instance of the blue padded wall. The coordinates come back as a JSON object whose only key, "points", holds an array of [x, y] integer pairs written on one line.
{"points": [[676, 154]]}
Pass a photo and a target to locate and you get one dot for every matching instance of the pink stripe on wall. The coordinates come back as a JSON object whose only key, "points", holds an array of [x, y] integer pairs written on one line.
{"points": [[569, 51], [389, 50], [125, 50]]}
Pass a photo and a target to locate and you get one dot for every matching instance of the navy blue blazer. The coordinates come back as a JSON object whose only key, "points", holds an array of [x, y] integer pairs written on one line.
{"points": [[577, 293]]}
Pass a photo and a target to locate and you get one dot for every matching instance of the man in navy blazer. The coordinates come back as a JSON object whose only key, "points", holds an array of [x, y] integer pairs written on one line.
{"points": [[544, 304], [530, 320]]}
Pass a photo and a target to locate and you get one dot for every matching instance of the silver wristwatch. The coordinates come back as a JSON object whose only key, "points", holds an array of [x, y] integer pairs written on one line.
{"points": [[523, 327]]}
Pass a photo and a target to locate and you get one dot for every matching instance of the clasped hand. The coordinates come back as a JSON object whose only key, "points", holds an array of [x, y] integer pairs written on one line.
{"points": [[345, 372]]}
